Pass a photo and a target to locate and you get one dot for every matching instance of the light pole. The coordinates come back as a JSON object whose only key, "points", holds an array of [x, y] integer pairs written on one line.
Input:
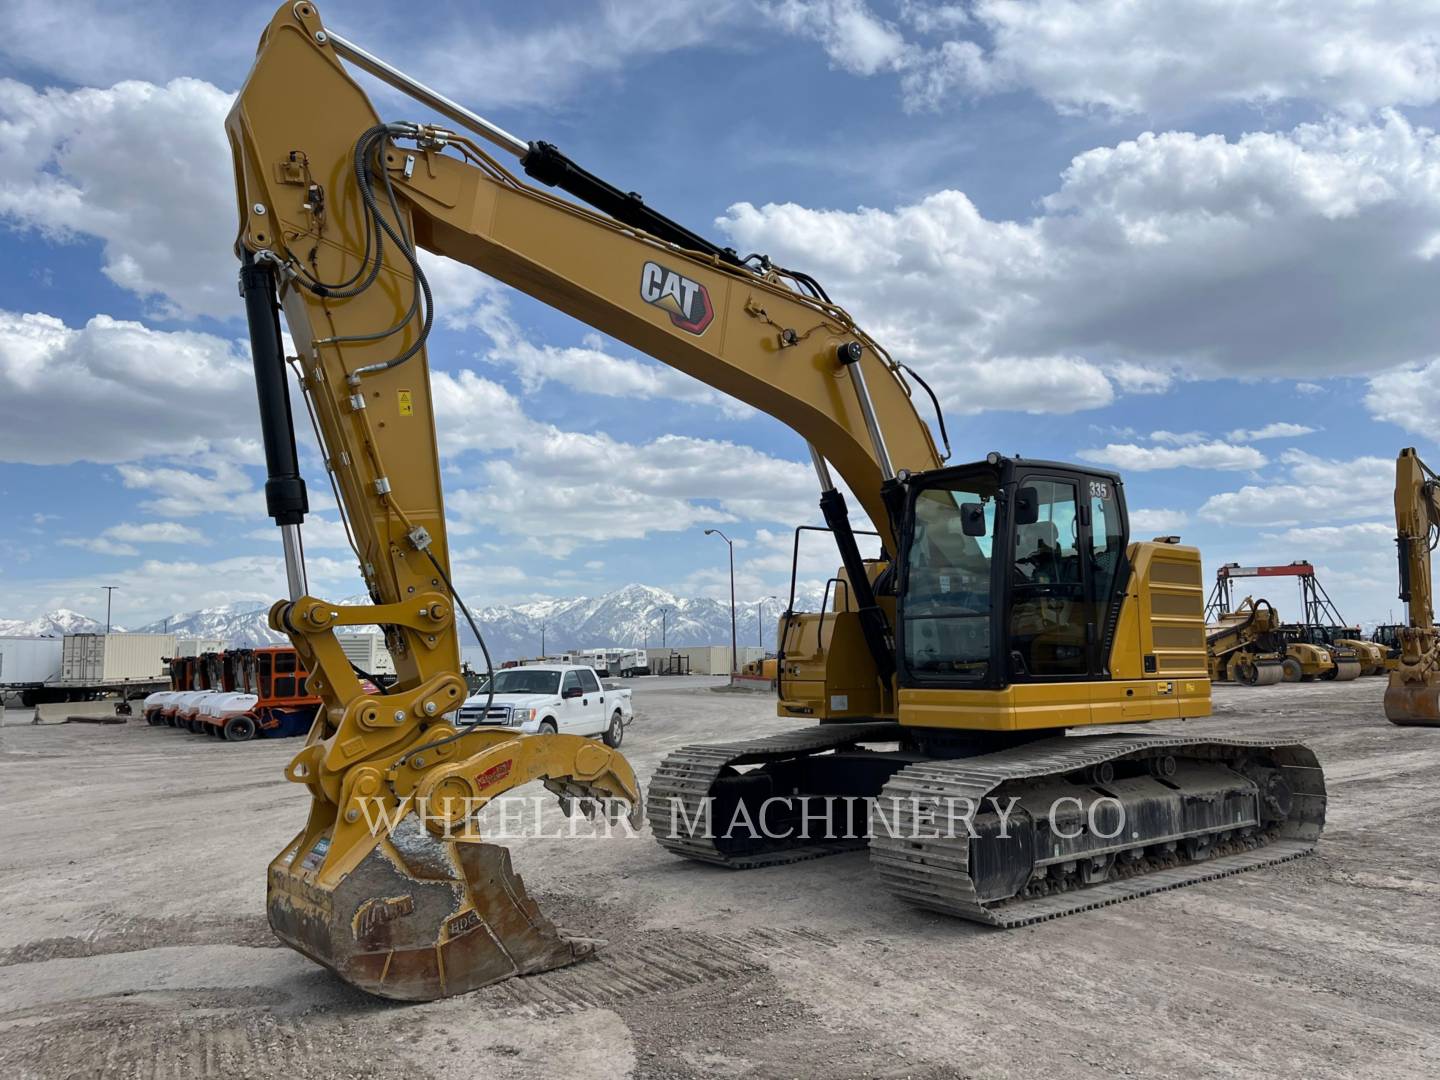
{"points": [[760, 619], [663, 612], [542, 639], [734, 643], [109, 591]]}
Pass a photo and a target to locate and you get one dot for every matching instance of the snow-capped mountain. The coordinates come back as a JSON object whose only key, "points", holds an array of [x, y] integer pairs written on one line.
{"points": [[56, 623], [243, 623], [634, 616]]}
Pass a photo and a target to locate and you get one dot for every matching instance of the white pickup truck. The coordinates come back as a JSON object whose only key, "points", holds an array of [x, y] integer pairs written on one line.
{"points": [[551, 698]]}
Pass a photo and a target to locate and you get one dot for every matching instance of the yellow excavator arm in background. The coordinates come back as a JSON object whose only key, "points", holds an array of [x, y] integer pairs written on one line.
{"points": [[333, 205], [1413, 696]]}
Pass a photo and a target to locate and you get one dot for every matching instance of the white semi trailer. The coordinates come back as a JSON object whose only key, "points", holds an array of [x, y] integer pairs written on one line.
{"points": [[28, 663]]}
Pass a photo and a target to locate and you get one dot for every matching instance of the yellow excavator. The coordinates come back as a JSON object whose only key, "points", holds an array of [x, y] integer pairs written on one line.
{"points": [[1010, 605], [1413, 697]]}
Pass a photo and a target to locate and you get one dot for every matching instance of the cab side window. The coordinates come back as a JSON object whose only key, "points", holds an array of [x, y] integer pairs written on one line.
{"points": [[1107, 539], [570, 682], [589, 683]]}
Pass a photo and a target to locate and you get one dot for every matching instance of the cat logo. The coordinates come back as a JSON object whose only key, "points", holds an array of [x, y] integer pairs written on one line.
{"points": [[685, 301]]}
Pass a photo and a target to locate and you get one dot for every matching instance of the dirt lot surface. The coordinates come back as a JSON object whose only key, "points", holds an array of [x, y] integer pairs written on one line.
{"points": [[133, 941]]}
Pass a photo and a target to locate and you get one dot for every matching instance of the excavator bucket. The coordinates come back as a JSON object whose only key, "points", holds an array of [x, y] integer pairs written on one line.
{"points": [[1412, 704], [421, 914], [421, 919]]}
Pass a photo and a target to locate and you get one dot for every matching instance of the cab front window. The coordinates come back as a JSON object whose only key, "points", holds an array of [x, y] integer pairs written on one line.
{"points": [[948, 601]]}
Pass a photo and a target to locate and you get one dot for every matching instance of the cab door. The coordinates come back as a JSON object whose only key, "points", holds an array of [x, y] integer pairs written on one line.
{"points": [[1051, 614], [1067, 568]]}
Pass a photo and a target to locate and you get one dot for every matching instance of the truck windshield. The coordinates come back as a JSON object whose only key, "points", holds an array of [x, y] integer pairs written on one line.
{"points": [[527, 681], [947, 602]]}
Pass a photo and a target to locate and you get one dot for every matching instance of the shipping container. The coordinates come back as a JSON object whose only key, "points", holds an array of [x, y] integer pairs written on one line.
{"points": [[26, 661], [198, 646], [94, 659], [368, 652]]}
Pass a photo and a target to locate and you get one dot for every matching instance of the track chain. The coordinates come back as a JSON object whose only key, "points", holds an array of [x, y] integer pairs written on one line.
{"points": [[933, 872], [687, 776]]}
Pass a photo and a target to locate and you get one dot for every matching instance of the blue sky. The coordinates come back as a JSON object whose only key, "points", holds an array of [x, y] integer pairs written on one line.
{"points": [[1184, 241]]}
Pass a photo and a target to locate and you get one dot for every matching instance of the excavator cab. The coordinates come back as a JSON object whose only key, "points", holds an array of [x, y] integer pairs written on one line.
{"points": [[1009, 573]]}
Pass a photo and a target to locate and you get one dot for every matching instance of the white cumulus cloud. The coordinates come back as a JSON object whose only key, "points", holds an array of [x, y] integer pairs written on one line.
{"points": [[1157, 522], [1131, 457], [1312, 490], [1140, 56], [114, 390], [1273, 254], [143, 168], [1280, 429]]}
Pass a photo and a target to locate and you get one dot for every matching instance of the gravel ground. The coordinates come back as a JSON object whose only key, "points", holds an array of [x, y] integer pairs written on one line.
{"points": [[134, 941]]}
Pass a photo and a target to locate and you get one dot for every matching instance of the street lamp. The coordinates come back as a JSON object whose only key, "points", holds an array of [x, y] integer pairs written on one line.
{"points": [[760, 619], [734, 643], [109, 591], [542, 639], [663, 612]]}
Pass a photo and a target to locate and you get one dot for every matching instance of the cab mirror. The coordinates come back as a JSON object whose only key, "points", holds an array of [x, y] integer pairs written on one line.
{"points": [[972, 519], [1027, 506], [573, 691]]}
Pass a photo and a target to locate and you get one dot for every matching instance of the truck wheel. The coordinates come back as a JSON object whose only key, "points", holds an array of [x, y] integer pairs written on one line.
{"points": [[1291, 669], [615, 733], [547, 727], [29, 698], [239, 729]]}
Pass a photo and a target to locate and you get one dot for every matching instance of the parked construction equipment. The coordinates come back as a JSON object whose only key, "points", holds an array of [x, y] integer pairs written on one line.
{"points": [[1370, 655], [1387, 636], [1011, 603], [1307, 660], [1319, 646], [1244, 646], [1413, 696], [236, 695]]}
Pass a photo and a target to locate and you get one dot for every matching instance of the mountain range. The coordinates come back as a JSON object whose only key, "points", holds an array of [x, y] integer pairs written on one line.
{"points": [[56, 623], [635, 616]]}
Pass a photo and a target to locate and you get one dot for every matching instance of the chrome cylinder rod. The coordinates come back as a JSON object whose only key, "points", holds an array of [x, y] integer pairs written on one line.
{"points": [[294, 561], [393, 76], [849, 355], [822, 470]]}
